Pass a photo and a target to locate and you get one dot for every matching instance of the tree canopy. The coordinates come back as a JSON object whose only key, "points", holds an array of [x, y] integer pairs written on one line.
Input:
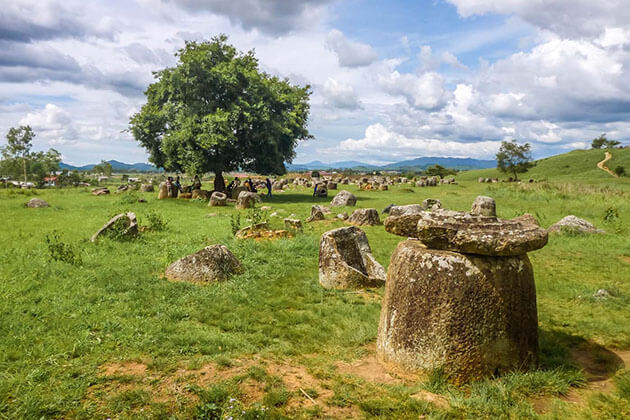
{"points": [[514, 158], [18, 160], [602, 141], [215, 111]]}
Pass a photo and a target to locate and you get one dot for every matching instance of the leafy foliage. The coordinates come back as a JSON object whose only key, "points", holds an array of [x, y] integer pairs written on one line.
{"points": [[61, 251], [514, 158], [235, 222], [439, 170], [216, 111], [603, 142], [18, 161], [619, 170], [155, 221]]}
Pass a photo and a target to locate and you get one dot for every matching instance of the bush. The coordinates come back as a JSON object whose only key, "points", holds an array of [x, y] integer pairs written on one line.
{"points": [[155, 221], [256, 215], [61, 251], [235, 222], [620, 171]]}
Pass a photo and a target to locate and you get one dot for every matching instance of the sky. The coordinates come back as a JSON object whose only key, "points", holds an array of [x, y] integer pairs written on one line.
{"points": [[390, 80]]}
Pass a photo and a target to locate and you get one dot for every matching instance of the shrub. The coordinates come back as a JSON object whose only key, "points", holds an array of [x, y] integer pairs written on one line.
{"points": [[235, 222], [61, 251], [155, 221], [620, 171], [256, 215]]}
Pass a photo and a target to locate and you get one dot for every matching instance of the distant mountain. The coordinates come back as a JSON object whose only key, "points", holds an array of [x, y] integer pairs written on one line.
{"points": [[417, 164], [116, 167]]}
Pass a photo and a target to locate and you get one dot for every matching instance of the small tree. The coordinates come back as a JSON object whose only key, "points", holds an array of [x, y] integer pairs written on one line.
{"points": [[620, 171], [18, 146], [439, 170], [514, 158], [602, 141]]}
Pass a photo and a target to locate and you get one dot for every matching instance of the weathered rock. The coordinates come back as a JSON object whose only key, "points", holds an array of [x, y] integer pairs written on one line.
{"points": [[342, 216], [125, 225], [431, 204], [183, 196], [407, 209], [36, 203], [346, 261], [387, 209], [573, 224], [236, 191], [247, 200], [484, 206], [403, 224], [200, 194], [293, 224], [343, 198], [217, 199], [246, 231], [383, 187], [212, 264], [475, 234], [468, 316], [163, 193], [147, 188], [364, 217], [321, 192], [122, 188], [331, 185], [100, 191], [317, 213]]}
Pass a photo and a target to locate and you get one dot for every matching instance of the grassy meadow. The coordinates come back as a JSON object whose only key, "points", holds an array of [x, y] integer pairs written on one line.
{"points": [[106, 336]]}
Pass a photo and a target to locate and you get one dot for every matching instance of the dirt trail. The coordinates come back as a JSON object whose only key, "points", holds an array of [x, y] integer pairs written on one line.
{"points": [[602, 165]]}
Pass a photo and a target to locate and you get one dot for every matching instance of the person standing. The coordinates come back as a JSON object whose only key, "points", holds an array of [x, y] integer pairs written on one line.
{"points": [[196, 183], [268, 183]]}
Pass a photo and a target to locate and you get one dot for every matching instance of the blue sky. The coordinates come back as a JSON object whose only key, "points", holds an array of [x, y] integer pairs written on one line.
{"points": [[391, 80]]}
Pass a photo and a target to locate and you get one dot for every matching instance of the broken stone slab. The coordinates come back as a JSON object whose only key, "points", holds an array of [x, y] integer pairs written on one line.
{"points": [[100, 191], [163, 191], [573, 224], [343, 198], [364, 217], [467, 315], [293, 224], [431, 204], [317, 213], [35, 203], [245, 232], [217, 199], [346, 261], [247, 200], [485, 206], [146, 188], [212, 264], [129, 226], [482, 235]]}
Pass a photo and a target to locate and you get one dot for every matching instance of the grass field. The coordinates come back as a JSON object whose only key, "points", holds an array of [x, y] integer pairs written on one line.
{"points": [[108, 337]]}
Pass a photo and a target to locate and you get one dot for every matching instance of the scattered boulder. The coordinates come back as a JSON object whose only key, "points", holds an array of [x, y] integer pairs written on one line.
{"points": [[364, 217], [342, 216], [407, 209], [122, 188], [147, 188], [212, 264], [431, 204], [601, 294], [387, 209], [100, 191], [246, 231], [35, 203], [383, 187], [405, 224], [247, 200], [200, 194], [331, 185], [485, 206], [468, 316], [321, 192], [573, 224], [163, 193], [217, 199], [343, 198], [124, 225], [183, 196], [236, 191], [293, 224], [317, 213], [346, 261]]}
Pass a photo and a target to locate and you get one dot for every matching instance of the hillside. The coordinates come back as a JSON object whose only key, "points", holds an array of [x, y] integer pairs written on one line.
{"points": [[116, 167], [577, 164], [417, 164]]}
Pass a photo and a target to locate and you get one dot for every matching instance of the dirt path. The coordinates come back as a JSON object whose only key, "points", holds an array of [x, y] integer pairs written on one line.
{"points": [[602, 165]]}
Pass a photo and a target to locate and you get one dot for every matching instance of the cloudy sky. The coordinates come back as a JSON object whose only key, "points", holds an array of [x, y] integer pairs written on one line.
{"points": [[391, 80]]}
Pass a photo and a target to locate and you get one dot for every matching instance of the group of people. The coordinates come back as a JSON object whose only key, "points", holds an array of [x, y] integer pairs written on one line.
{"points": [[250, 185], [174, 186]]}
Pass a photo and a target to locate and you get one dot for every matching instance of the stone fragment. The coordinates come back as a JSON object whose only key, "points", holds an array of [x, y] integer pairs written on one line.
{"points": [[387, 209], [247, 230], [484, 206], [317, 213], [343, 198], [346, 261], [217, 199], [293, 224], [247, 200], [573, 224], [146, 188], [100, 191], [236, 191], [407, 209], [431, 204], [125, 224], [342, 216], [163, 192], [200, 194], [474, 234], [468, 316], [212, 264], [364, 217], [34, 203]]}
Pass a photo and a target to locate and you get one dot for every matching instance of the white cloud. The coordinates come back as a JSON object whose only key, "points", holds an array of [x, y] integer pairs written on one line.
{"points": [[350, 53], [339, 95], [423, 92]]}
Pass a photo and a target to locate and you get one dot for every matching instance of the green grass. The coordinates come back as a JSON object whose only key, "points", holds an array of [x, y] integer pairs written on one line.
{"points": [[61, 322]]}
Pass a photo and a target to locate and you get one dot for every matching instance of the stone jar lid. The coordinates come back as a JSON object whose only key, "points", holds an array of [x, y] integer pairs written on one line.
{"points": [[477, 234]]}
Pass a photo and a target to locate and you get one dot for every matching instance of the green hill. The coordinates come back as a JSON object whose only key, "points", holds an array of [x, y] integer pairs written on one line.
{"points": [[575, 165]]}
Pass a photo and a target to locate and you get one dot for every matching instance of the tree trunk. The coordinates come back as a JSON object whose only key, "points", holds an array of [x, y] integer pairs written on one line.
{"points": [[24, 161], [219, 182]]}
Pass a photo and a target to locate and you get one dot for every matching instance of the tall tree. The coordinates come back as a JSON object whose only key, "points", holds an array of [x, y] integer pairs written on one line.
{"points": [[514, 158], [19, 145], [215, 111]]}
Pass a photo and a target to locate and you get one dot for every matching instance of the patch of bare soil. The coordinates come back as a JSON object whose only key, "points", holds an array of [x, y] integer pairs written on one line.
{"points": [[373, 370], [438, 400], [599, 365], [625, 258], [124, 369]]}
